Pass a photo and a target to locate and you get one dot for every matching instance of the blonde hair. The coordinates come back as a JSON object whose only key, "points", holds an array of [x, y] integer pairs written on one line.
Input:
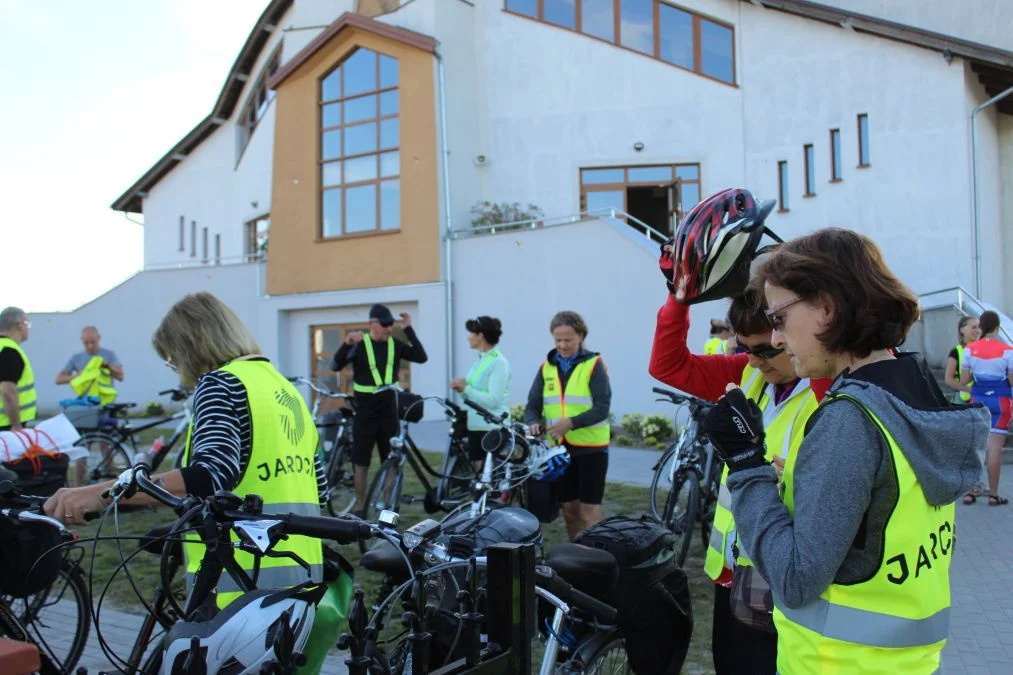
{"points": [[200, 334]]}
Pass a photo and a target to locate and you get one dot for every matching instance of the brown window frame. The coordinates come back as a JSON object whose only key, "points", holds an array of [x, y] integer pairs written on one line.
{"points": [[783, 203], [344, 377], [810, 175], [864, 161], [193, 238], [616, 40], [835, 158], [257, 102], [586, 188], [342, 158], [252, 249]]}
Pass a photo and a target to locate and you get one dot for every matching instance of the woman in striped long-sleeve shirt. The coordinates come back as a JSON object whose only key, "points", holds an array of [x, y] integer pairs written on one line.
{"points": [[207, 344]]}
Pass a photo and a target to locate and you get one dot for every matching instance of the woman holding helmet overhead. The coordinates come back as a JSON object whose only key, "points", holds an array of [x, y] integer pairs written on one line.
{"points": [[708, 259], [856, 538]]}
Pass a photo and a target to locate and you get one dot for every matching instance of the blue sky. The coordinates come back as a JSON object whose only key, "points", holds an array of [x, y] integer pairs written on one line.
{"points": [[95, 92]]}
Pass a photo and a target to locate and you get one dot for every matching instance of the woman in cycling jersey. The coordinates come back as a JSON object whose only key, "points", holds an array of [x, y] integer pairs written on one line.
{"points": [[487, 382], [988, 361], [968, 330]]}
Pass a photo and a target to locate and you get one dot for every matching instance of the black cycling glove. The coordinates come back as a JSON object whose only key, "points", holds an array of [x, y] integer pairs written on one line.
{"points": [[735, 427]]}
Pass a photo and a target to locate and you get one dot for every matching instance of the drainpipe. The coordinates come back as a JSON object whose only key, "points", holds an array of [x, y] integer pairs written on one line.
{"points": [[974, 187], [448, 274]]}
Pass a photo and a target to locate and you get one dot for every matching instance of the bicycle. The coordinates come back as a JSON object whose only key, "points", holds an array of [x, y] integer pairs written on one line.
{"points": [[689, 466], [61, 609], [224, 522], [336, 454], [582, 636], [112, 444]]}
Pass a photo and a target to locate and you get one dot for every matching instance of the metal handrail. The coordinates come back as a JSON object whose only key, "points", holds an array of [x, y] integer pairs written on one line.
{"points": [[967, 305], [250, 259], [538, 223]]}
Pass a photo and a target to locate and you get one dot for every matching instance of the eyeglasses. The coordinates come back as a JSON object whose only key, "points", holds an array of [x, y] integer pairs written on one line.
{"points": [[775, 315], [171, 366], [765, 352], [28, 324]]}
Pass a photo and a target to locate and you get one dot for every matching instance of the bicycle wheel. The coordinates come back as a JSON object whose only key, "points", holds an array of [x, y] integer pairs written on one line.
{"points": [[107, 458], [457, 474], [340, 479], [681, 510], [58, 618], [611, 659], [384, 494], [661, 477]]}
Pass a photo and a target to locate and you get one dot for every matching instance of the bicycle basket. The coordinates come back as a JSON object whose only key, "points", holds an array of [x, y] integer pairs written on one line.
{"points": [[21, 546], [410, 407]]}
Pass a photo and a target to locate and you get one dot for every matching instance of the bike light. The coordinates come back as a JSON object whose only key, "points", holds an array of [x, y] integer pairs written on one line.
{"points": [[410, 540], [388, 519], [420, 532]]}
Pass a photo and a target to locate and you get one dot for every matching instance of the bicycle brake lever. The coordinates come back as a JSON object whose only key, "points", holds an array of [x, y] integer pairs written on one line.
{"points": [[292, 556]]}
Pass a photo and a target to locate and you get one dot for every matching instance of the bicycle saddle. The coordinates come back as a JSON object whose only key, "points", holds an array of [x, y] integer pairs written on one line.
{"points": [[118, 407], [587, 569], [386, 560]]}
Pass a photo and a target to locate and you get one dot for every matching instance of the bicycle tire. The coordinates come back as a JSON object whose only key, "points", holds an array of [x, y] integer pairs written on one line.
{"points": [[341, 492], [680, 517], [375, 501], [456, 476], [47, 640], [662, 470], [102, 468], [610, 659]]}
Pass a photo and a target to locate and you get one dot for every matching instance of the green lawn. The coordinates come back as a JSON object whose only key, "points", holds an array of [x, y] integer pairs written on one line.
{"points": [[619, 499]]}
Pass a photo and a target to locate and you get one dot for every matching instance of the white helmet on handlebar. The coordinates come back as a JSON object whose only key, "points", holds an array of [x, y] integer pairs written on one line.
{"points": [[548, 464], [241, 638]]}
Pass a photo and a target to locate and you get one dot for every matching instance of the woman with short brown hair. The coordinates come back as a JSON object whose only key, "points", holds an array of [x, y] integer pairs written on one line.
{"points": [[856, 538]]}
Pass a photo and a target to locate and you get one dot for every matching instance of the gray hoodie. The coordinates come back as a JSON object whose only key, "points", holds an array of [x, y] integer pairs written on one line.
{"points": [[844, 481]]}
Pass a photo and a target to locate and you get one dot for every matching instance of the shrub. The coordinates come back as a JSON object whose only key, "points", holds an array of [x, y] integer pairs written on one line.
{"points": [[517, 412], [154, 409], [633, 425], [485, 214], [657, 426]]}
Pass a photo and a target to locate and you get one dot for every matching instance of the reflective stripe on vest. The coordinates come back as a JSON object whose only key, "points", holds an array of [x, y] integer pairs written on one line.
{"points": [[557, 403], [785, 429], [94, 380], [281, 469], [388, 373], [475, 373], [962, 395], [27, 396], [898, 620]]}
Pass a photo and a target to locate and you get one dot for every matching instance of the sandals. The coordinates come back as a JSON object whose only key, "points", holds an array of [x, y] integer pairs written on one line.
{"points": [[970, 498], [996, 500]]}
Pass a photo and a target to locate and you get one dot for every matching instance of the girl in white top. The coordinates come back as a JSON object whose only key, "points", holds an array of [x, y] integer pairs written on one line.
{"points": [[487, 382]]}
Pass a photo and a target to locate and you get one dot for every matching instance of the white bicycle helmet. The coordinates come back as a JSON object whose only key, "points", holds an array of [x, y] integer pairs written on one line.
{"points": [[548, 464], [240, 639]]}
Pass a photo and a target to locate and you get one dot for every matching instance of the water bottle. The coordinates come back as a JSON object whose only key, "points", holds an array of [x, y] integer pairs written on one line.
{"points": [[148, 457]]}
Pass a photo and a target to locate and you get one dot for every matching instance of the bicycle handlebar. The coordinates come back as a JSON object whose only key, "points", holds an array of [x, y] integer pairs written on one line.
{"points": [[681, 399], [341, 530], [177, 393], [318, 388], [555, 584], [486, 415]]}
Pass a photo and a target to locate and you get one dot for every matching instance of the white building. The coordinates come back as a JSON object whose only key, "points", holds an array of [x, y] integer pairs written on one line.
{"points": [[573, 106]]}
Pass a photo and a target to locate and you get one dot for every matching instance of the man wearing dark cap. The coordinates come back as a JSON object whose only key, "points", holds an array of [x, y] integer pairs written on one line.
{"points": [[376, 360]]}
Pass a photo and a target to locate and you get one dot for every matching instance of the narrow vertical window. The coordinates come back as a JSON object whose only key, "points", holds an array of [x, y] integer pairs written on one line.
{"points": [[782, 185], [863, 140], [835, 155], [810, 170], [204, 247], [218, 249], [193, 238], [182, 233]]}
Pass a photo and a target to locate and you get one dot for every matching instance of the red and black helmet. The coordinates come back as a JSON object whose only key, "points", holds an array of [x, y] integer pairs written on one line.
{"points": [[715, 244]]}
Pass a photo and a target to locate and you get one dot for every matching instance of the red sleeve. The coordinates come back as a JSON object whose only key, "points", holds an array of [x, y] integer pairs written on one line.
{"points": [[704, 376]]}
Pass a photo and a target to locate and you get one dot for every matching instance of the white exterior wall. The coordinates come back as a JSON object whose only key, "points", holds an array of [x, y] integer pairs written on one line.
{"points": [[1006, 199], [822, 77], [606, 275], [984, 21], [559, 101], [126, 317]]}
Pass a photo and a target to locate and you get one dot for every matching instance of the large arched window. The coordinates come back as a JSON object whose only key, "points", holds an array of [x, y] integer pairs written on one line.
{"points": [[359, 141]]}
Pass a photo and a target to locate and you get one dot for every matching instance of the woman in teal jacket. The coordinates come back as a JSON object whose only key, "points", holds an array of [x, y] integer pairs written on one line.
{"points": [[487, 383]]}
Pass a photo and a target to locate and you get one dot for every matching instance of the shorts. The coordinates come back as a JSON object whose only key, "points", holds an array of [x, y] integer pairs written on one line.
{"points": [[584, 480], [372, 428], [1001, 408]]}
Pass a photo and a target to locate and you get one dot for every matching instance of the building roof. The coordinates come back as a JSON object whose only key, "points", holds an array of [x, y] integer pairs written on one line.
{"points": [[131, 200], [993, 66]]}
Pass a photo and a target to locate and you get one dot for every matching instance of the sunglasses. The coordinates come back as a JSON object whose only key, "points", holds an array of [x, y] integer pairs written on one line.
{"points": [[777, 314], [765, 352]]}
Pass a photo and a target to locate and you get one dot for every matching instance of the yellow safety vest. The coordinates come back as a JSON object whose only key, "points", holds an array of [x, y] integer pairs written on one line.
{"points": [[962, 395], [557, 404], [27, 396], [785, 430], [388, 373], [898, 620], [96, 381], [281, 470], [715, 345]]}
